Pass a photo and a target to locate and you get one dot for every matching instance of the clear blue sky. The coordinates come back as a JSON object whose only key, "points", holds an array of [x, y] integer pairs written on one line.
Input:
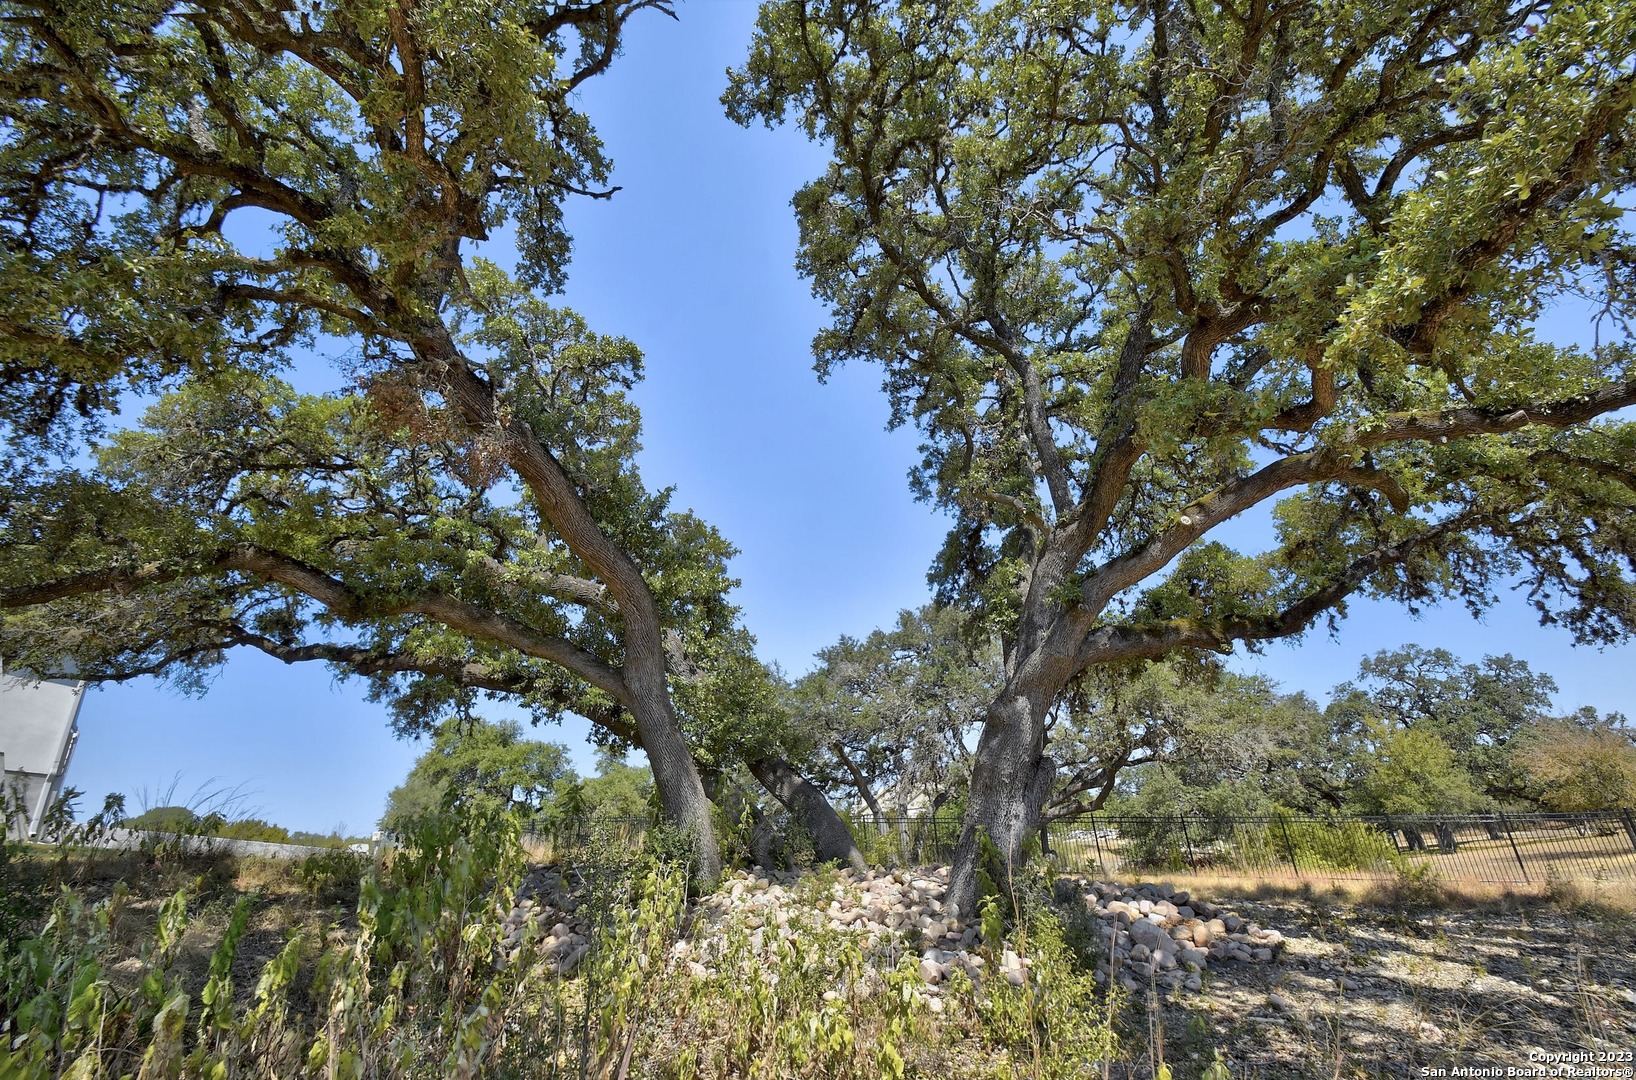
{"points": [[693, 261]]}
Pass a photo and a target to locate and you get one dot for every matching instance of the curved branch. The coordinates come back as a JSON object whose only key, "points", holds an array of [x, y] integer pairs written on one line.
{"points": [[1332, 463], [1111, 644], [341, 600]]}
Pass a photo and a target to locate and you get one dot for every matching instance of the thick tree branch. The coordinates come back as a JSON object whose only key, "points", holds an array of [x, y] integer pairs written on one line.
{"points": [[575, 590], [1118, 448], [1335, 463], [1113, 644], [336, 596]]}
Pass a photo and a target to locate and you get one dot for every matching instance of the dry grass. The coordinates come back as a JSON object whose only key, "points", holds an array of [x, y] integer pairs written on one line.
{"points": [[280, 907], [1605, 896]]}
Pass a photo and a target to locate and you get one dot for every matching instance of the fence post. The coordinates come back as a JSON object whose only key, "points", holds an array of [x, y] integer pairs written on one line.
{"points": [[1630, 826], [1192, 859], [1506, 823], [1096, 835], [1289, 845]]}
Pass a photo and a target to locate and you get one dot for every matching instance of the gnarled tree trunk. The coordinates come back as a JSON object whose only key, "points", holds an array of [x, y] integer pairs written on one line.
{"points": [[831, 839], [645, 690], [1009, 786], [675, 774]]}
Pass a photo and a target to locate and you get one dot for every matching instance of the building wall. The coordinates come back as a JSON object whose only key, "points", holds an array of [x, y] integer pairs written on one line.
{"points": [[38, 730]]}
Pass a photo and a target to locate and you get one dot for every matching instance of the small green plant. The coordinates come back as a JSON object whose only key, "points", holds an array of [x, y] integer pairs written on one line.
{"points": [[331, 875], [1414, 886], [1041, 999]]}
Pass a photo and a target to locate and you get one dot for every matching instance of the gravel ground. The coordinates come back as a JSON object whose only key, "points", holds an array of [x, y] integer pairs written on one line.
{"points": [[1360, 992]]}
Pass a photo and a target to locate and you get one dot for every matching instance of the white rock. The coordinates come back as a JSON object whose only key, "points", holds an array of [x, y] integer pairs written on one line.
{"points": [[572, 961]]}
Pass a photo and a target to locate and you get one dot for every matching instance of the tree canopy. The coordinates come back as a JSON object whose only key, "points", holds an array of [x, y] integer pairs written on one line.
{"points": [[888, 715], [477, 761], [189, 199], [1136, 269], [1577, 766], [1477, 711]]}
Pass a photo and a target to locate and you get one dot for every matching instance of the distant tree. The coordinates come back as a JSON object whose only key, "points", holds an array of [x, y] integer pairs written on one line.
{"points": [[169, 819], [255, 829], [1475, 710], [335, 838], [1586, 763], [1410, 771], [1137, 269], [618, 791], [1153, 829], [1200, 726], [477, 761], [888, 715]]}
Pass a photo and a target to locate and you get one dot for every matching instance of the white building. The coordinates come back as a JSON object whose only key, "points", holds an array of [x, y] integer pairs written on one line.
{"points": [[37, 733]]}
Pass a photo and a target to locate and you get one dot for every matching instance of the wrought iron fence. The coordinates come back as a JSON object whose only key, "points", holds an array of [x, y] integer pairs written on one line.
{"points": [[1501, 848], [1495, 847]]}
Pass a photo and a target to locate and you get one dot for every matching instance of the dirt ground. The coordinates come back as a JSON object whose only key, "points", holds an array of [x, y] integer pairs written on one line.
{"points": [[1408, 991]]}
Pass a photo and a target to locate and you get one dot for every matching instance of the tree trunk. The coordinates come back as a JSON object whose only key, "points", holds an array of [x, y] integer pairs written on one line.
{"points": [[831, 840], [1009, 786], [675, 775], [647, 693], [861, 783]]}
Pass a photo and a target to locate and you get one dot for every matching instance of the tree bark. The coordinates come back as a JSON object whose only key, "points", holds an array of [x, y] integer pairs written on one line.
{"points": [[1009, 786], [861, 784], [676, 776], [831, 839]]}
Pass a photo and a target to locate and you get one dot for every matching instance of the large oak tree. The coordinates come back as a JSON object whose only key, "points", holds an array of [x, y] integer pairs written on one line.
{"points": [[1138, 267], [191, 195]]}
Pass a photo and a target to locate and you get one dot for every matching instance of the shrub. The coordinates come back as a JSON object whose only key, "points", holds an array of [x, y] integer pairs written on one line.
{"points": [[1336, 846], [331, 875], [398, 998]]}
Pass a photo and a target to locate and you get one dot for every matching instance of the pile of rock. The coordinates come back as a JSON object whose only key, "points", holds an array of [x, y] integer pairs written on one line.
{"points": [[547, 899], [1156, 933], [886, 907], [1151, 934]]}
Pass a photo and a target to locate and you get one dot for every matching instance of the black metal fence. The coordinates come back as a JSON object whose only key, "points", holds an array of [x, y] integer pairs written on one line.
{"points": [[1496, 847], [1502, 848]]}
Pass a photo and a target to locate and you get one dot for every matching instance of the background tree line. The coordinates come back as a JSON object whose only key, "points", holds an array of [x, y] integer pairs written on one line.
{"points": [[888, 723], [1417, 731]]}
